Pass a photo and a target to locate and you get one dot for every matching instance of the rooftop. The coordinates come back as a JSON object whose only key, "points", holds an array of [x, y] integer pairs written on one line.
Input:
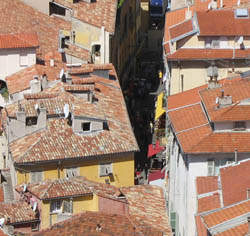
{"points": [[98, 13], [48, 144], [195, 133], [206, 184], [18, 41]]}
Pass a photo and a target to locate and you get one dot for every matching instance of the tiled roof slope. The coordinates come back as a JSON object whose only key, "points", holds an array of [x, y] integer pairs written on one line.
{"points": [[49, 144], [235, 180], [70, 187], [209, 203], [222, 23], [201, 138], [196, 54], [206, 184], [200, 227], [98, 13], [147, 206], [17, 212], [225, 214], [240, 230], [18, 41], [96, 223], [30, 21]]}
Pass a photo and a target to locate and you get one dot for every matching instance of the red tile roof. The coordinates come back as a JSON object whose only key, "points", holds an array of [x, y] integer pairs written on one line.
{"points": [[240, 230], [70, 187], [200, 227], [182, 28], [222, 23], [17, 212], [206, 184], [235, 180], [96, 223], [147, 206], [209, 203], [228, 213], [183, 118], [197, 54], [98, 13], [18, 40], [109, 105]]}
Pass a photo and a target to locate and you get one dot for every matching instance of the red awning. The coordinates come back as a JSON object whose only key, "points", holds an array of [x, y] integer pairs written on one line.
{"points": [[154, 149], [159, 174]]}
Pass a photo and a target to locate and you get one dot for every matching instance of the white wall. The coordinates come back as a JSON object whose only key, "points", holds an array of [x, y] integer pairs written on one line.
{"points": [[228, 126], [10, 60]]}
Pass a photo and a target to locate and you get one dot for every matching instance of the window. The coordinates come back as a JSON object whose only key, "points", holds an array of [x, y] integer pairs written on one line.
{"points": [[23, 59], [67, 206], [31, 121], [210, 167], [239, 125], [56, 206], [71, 172], [106, 169], [36, 176], [212, 42], [35, 226], [86, 126]]}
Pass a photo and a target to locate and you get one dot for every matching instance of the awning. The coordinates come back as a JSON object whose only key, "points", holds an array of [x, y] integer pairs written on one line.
{"points": [[159, 109], [154, 149]]}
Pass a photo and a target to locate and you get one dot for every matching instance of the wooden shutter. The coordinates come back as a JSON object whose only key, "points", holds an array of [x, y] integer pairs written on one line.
{"points": [[102, 170], [173, 220], [210, 165], [66, 206]]}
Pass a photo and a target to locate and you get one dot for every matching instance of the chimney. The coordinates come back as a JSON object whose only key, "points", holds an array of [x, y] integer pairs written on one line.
{"points": [[42, 117], [225, 100], [214, 4], [44, 81], [35, 85]]}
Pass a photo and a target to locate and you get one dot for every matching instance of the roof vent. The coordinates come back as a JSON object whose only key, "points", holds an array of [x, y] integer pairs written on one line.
{"points": [[224, 100], [241, 13]]}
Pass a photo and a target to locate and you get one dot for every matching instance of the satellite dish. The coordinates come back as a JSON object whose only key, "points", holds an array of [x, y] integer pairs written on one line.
{"points": [[36, 106], [34, 206], [61, 73], [66, 110], [24, 188]]}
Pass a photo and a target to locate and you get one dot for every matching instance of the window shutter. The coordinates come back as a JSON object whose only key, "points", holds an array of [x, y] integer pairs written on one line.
{"points": [[66, 206], [173, 220], [105, 169], [210, 164], [36, 176], [39, 176], [102, 170]]}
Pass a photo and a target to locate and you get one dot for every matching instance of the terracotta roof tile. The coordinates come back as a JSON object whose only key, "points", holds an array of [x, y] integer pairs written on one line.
{"points": [[227, 213], [206, 184], [197, 54], [17, 212], [180, 29], [222, 23], [240, 230], [96, 223], [147, 205], [18, 41], [70, 187], [235, 180], [98, 13], [109, 105], [30, 21], [201, 229], [209, 203], [187, 117]]}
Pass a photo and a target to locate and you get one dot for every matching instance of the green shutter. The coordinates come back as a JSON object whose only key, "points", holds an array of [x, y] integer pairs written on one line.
{"points": [[173, 219]]}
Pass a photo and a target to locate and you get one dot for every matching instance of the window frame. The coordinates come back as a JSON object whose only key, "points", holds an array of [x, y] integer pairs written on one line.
{"points": [[101, 165], [56, 206], [239, 125], [23, 57], [82, 124]]}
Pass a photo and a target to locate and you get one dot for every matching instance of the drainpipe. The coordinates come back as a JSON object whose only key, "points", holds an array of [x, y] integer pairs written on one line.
{"points": [[236, 156]]}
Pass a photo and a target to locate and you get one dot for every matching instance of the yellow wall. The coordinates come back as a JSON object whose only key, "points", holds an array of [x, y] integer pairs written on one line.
{"points": [[123, 171], [80, 204]]}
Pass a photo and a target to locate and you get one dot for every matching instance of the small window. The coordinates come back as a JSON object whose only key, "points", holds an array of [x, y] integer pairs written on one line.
{"points": [[23, 59], [106, 169], [35, 226], [56, 206], [86, 126], [71, 172], [210, 167], [36, 176], [67, 206], [31, 121], [239, 125]]}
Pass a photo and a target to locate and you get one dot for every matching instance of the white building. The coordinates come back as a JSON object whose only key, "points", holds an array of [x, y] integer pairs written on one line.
{"points": [[210, 127], [17, 51]]}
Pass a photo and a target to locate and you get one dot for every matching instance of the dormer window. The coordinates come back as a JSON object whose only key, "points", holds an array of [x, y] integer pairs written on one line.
{"points": [[239, 125], [31, 121], [85, 126]]}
